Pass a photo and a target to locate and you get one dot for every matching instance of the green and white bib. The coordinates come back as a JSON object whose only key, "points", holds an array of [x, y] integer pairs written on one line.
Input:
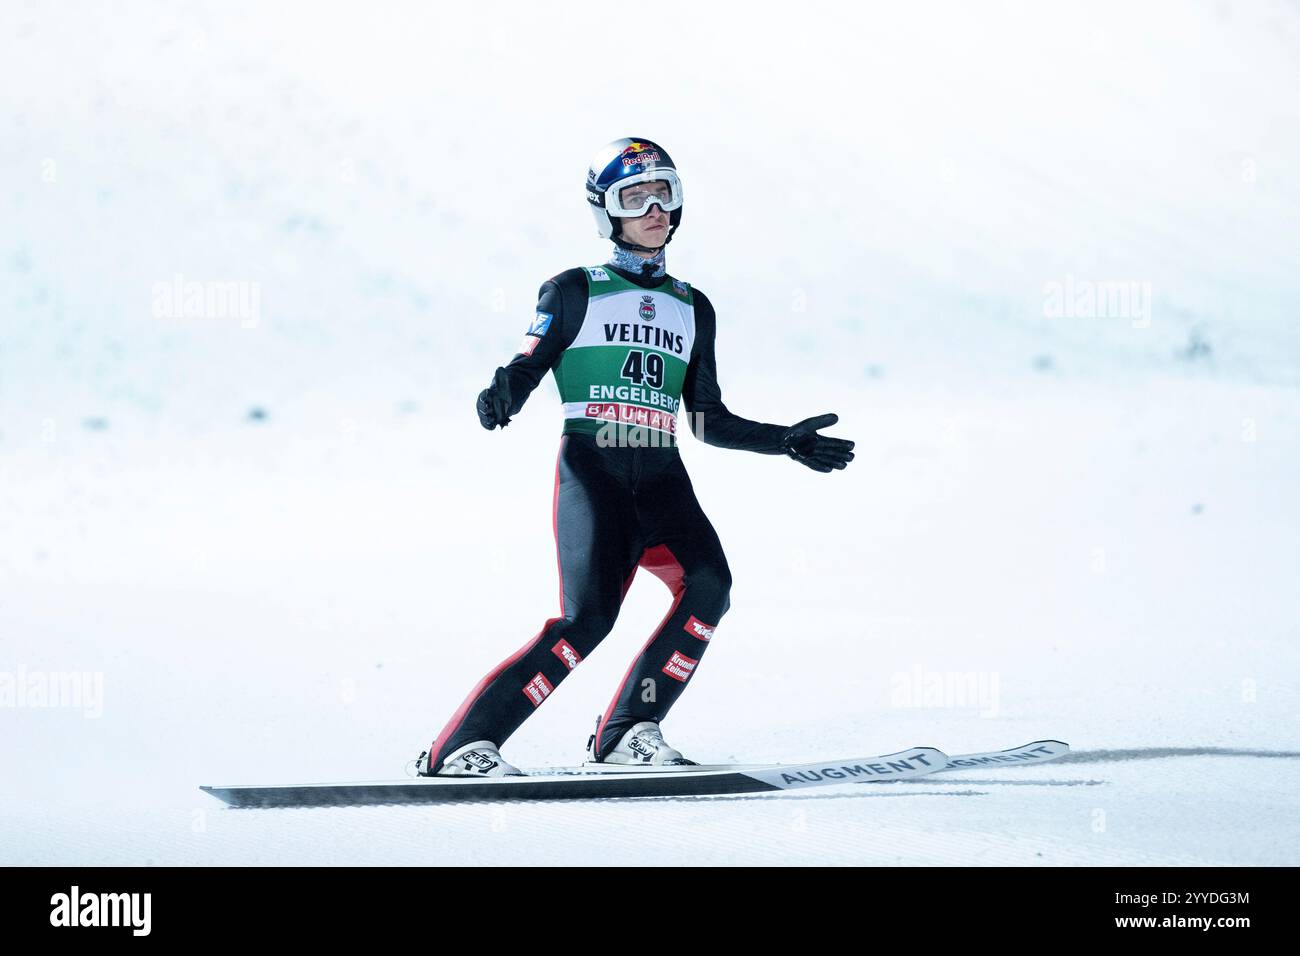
{"points": [[628, 362]]}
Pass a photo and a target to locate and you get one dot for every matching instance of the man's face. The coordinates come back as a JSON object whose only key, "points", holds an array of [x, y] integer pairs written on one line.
{"points": [[651, 228]]}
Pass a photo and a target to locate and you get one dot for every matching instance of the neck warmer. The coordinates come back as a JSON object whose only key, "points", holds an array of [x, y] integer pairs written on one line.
{"points": [[635, 264]]}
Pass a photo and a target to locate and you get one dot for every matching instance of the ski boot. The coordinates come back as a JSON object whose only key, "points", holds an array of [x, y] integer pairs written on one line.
{"points": [[479, 759], [642, 746]]}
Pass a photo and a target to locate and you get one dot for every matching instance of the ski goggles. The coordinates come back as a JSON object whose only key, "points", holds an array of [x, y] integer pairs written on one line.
{"points": [[632, 197]]}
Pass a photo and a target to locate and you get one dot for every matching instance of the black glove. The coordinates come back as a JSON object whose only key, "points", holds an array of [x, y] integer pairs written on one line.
{"points": [[818, 452], [494, 402]]}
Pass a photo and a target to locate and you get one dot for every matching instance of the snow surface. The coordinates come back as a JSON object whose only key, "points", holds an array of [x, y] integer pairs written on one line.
{"points": [[288, 550]]}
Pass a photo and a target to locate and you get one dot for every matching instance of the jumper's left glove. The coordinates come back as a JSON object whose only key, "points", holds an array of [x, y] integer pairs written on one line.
{"points": [[819, 452], [494, 402]]}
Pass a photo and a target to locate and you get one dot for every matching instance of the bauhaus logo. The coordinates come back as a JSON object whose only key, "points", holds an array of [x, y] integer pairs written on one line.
{"points": [[102, 909]]}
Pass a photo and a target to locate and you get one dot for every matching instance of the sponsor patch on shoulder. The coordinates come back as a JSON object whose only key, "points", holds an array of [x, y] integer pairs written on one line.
{"points": [[598, 274], [541, 322], [679, 286]]}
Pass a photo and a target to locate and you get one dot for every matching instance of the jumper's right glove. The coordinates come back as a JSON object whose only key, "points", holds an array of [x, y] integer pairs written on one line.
{"points": [[818, 452], [494, 402]]}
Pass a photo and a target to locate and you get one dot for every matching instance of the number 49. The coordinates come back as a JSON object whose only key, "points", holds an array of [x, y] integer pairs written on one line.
{"points": [[644, 368]]}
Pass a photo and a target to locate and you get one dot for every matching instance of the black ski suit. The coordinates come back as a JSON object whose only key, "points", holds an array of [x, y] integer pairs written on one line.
{"points": [[616, 509]]}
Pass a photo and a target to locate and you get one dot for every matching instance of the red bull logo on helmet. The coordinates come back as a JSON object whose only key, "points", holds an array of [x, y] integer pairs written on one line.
{"points": [[639, 154]]}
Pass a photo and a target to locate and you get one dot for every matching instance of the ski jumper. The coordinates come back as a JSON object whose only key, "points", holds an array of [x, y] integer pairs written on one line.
{"points": [[626, 350]]}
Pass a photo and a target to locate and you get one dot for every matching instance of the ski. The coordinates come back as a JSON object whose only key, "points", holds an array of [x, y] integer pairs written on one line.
{"points": [[603, 781], [684, 782], [1038, 751]]}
